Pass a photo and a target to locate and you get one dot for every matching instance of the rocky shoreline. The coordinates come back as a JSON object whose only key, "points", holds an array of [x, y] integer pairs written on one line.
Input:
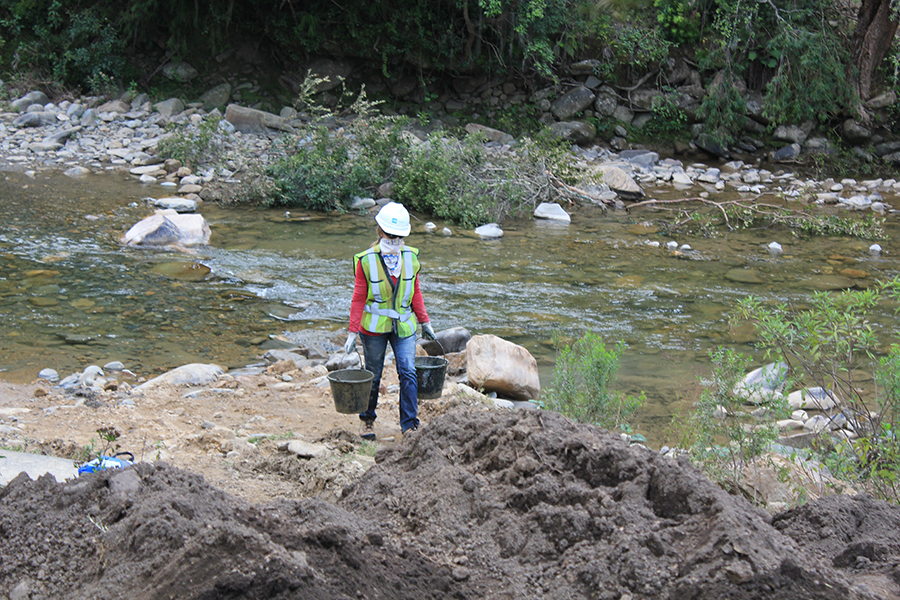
{"points": [[92, 135]]}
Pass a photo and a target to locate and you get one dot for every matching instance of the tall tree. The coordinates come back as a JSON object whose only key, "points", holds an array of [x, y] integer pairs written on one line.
{"points": [[875, 27]]}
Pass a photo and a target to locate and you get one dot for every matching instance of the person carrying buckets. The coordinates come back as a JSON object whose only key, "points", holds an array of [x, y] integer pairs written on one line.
{"points": [[386, 307]]}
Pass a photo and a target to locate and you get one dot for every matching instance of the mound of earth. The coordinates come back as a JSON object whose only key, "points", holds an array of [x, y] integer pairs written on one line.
{"points": [[475, 505]]}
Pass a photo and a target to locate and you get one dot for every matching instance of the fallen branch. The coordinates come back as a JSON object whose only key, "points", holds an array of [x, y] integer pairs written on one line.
{"points": [[574, 194], [718, 205]]}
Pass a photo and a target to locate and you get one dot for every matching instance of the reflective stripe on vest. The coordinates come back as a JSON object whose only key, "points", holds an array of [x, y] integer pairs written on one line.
{"points": [[388, 306]]}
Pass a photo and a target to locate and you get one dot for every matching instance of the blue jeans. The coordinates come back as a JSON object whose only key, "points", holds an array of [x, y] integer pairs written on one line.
{"points": [[375, 347]]}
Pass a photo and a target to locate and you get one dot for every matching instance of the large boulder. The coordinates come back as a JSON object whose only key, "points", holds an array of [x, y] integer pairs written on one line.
{"points": [[167, 227], [35, 97], [185, 375], [490, 134], [496, 365], [571, 103], [577, 132], [250, 120], [449, 341], [620, 182]]}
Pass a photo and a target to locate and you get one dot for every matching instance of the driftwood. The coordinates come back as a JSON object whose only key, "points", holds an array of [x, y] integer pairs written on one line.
{"points": [[683, 200], [574, 194]]}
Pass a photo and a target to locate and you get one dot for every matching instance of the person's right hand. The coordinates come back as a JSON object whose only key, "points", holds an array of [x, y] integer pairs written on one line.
{"points": [[350, 344]]}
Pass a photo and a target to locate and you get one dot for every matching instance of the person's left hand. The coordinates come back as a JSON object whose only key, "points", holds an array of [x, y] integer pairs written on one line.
{"points": [[428, 332]]}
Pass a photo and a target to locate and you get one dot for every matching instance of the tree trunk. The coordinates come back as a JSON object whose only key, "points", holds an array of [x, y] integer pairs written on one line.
{"points": [[875, 27]]}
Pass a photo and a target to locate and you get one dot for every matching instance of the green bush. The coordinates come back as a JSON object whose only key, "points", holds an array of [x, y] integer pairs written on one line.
{"points": [[193, 145], [580, 389], [326, 168], [826, 345], [723, 437], [462, 181]]}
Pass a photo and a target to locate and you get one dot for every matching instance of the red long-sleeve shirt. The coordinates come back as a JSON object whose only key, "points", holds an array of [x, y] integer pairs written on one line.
{"points": [[361, 294]]}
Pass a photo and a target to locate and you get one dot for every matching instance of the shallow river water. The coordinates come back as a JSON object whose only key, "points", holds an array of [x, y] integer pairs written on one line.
{"points": [[71, 295]]}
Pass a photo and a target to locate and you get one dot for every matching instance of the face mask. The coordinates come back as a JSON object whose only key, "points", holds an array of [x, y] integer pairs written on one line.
{"points": [[390, 246]]}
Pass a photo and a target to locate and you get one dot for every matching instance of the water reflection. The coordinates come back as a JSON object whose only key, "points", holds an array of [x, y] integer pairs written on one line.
{"points": [[70, 295]]}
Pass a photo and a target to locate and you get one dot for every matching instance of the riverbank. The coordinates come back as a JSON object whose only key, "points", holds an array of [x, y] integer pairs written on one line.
{"points": [[478, 503]]}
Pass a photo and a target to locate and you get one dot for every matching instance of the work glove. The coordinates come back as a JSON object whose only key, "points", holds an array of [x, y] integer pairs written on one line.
{"points": [[350, 344], [428, 332]]}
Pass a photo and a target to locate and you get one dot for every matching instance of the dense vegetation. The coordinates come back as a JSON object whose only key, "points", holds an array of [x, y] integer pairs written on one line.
{"points": [[795, 52]]}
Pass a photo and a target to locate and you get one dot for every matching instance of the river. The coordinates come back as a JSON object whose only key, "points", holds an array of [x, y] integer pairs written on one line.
{"points": [[71, 295]]}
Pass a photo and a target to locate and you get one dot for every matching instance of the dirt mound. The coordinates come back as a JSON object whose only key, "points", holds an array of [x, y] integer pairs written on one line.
{"points": [[475, 505], [856, 533], [154, 531], [529, 505]]}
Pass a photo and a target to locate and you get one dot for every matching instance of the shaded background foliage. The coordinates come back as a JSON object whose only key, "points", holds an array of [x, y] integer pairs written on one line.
{"points": [[802, 55]]}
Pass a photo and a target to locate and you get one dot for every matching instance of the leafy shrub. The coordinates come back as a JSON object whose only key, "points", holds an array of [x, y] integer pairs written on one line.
{"points": [[723, 109], [326, 168], [581, 384], [462, 181], [193, 145], [826, 345], [722, 435]]}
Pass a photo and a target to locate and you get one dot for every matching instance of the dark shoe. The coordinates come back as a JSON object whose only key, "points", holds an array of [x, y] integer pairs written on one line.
{"points": [[367, 430], [411, 431]]}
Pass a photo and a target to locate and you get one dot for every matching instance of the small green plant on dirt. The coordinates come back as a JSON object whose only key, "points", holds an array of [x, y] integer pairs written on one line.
{"points": [[107, 447], [193, 145], [723, 436], [827, 344], [582, 380]]}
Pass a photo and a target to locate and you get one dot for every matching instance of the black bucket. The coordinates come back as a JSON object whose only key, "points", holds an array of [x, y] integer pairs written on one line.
{"points": [[430, 372], [350, 389]]}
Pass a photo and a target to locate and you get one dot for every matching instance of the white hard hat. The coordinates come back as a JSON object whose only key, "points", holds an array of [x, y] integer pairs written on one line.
{"points": [[393, 219]]}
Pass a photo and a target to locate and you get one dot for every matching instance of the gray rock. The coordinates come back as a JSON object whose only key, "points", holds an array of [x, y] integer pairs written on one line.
{"points": [[576, 132], [761, 384], [169, 108], [216, 97], [77, 171], [35, 97], [623, 115], [712, 145], [819, 145], [606, 103], [180, 205], [88, 118], [179, 72], [552, 212], [854, 133], [585, 67], [332, 72], [251, 120], [786, 154], [114, 106], [49, 374], [620, 182], [640, 158], [140, 100], [362, 203], [571, 103], [490, 134], [190, 374], [489, 231], [792, 133], [168, 227], [28, 120], [304, 449]]}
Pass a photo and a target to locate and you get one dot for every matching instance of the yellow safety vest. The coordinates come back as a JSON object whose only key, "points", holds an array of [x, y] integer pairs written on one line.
{"points": [[389, 305]]}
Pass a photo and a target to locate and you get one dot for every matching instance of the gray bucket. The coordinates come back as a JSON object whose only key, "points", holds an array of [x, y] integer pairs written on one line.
{"points": [[430, 373], [350, 389]]}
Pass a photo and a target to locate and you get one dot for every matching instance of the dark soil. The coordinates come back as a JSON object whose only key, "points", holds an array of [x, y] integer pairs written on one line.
{"points": [[475, 505]]}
